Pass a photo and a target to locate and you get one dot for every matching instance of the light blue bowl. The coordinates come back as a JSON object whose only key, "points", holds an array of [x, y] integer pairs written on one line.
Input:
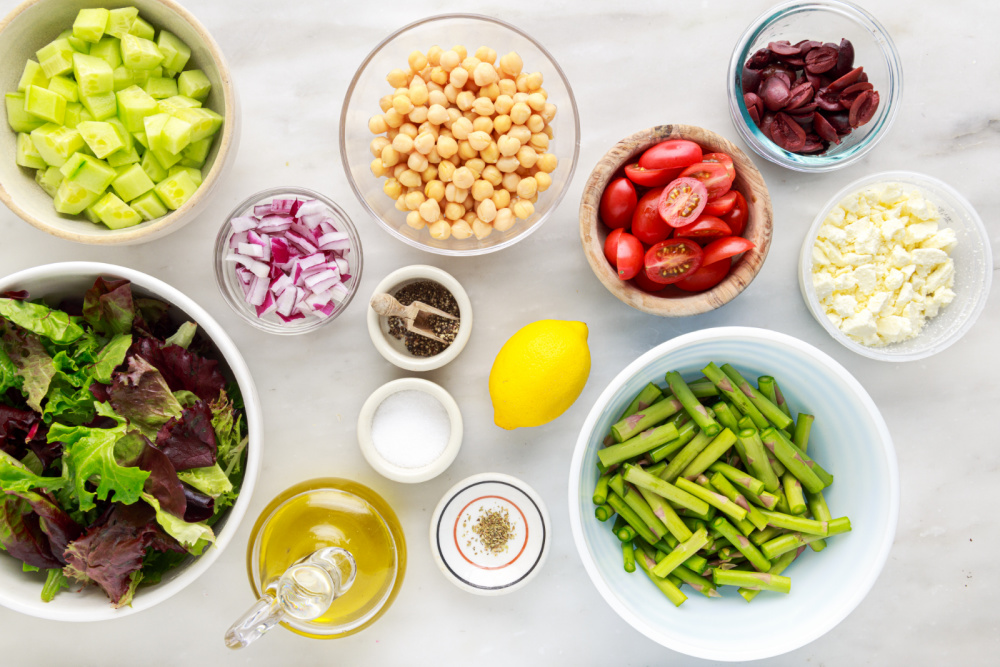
{"points": [[849, 438]]}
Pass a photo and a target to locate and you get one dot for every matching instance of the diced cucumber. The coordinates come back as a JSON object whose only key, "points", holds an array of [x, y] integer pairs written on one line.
{"points": [[49, 179], [176, 190], [115, 213], [153, 168], [196, 153], [149, 206], [56, 143], [195, 174], [142, 29], [109, 50], [93, 75], [90, 215], [165, 157], [176, 135], [71, 198], [19, 119], [101, 106], [121, 20], [123, 78], [74, 114], [45, 104], [193, 83], [90, 24], [178, 102], [154, 128], [102, 137], [139, 53], [161, 87], [79, 45], [93, 174], [175, 52], [141, 138], [56, 57], [66, 87], [124, 157], [33, 75], [134, 104], [204, 122], [27, 154], [131, 183]]}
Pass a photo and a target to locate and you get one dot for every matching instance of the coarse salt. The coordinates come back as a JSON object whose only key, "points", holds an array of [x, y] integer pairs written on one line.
{"points": [[410, 429]]}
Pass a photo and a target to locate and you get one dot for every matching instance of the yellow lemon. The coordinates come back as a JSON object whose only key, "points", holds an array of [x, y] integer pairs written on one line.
{"points": [[539, 373]]}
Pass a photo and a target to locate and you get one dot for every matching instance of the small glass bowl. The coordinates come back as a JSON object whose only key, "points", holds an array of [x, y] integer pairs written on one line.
{"points": [[369, 85], [973, 270], [229, 284], [825, 20]]}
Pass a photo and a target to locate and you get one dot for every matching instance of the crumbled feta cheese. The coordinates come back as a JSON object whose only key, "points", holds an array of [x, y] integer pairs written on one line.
{"points": [[823, 284], [860, 325], [929, 256], [845, 305]]}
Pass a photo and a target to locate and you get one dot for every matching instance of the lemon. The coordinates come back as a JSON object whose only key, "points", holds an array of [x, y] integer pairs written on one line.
{"points": [[539, 373]]}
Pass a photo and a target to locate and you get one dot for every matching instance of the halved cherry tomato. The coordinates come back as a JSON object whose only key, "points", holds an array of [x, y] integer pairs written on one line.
{"points": [[706, 277], [713, 175], [726, 247], [737, 216], [647, 225], [624, 252], [705, 228], [722, 159], [682, 201], [618, 203], [643, 282], [721, 205], [651, 178], [671, 154], [670, 261]]}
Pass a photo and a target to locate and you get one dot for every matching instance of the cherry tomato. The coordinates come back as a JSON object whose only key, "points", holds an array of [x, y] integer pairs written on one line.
{"points": [[706, 277], [737, 216], [722, 159], [682, 201], [651, 178], [624, 252], [705, 228], [713, 175], [671, 154], [673, 260], [647, 225], [618, 203], [721, 205], [643, 282], [726, 247]]}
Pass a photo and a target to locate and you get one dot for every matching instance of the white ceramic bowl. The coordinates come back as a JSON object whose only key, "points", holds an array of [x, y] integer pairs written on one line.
{"points": [[35, 23], [21, 592], [391, 470], [394, 350], [973, 270], [849, 438]]}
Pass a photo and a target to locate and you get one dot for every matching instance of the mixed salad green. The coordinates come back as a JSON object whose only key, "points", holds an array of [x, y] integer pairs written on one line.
{"points": [[121, 443]]}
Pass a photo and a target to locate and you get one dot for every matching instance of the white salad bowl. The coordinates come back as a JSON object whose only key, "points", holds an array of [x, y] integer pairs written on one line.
{"points": [[22, 592], [849, 439]]}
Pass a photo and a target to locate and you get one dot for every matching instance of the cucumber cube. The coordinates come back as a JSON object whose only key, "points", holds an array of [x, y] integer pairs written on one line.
{"points": [[165, 157], [193, 83], [89, 214], [149, 206], [196, 153], [79, 45], [121, 20], [176, 190], [175, 52], [71, 198], [123, 133], [204, 122], [141, 76], [131, 183], [123, 78], [109, 50], [27, 154], [33, 75], [142, 29], [195, 174], [93, 75], [56, 143], [135, 104], [74, 114], [142, 140], [154, 128], [49, 179], [173, 104], [19, 119], [139, 53], [153, 169], [90, 24], [161, 88], [101, 106], [124, 157], [176, 135], [93, 174], [45, 104], [115, 213], [66, 87], [56, 57], [72, 165], [102, 137]]}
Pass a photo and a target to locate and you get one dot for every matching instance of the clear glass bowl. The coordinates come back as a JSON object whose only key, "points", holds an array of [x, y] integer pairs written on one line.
{"points": [[229, 284], [973, 270], [369, 85], [829, 21]]}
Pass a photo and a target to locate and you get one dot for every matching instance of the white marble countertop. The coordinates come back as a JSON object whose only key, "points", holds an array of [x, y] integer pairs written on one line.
{"points": [[633, 66]]}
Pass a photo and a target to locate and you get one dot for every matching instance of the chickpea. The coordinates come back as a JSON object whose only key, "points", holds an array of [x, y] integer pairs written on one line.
{"points": [[534, 81], [479, 140], [511, 64], [510, 182], [520, 96], [548, 132], [535, 123], [429, 174], [401, 203], [507, 87], [376, 124], [402, 104], [543, 180], [446, 146], [483, 106], [492, 175], [490, 154], [539, 141], [408, 129], [481, 229], [522, 84], [433, 157], [417, 61], [434, 55], [385, 103], [390, 157], [453, 115], [419, 94], [536, 101], [508, 164], [462, 128], [430, 210], [504, 220], [393, 118], [397, 78], [461, 51], [378, 169], [414, 200], [451, 94], [445, 171], [527, 157], [414, 220], [410, 178], [424, 142], [503, 104], [519, 113], [454, 211], [527, 188], [437, 97], [522, 209], [483, 124], [547, 162], [392, 188], [490, 92], [398, 169], [463, 178], [481, 189], [377, 144], [468, 203], [502, 124], [403, 143], [418, 115], [469, 64], [439, 76], [486, 54], [501, 198], [508, 145], [460, 229], [476, 166], [434, 190], [449, 60], [521, 133], [458, 77], [465, 99], [548, 112], [484, 74], [391, 133], [486, 210], [417, 162], [440, 230], [466, 151], [469, 217]]}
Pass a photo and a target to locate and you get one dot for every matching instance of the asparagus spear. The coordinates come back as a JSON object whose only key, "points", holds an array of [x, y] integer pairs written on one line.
{"points": [[696, 581], [725, 385], [777, 567], [768, 533], [769, 388], [650, 394], [683, 551], [685, 433], [724, 415], [673, 593], [802, 427], [719, 446], [823, 475], [757, 459], [791, 459], [684, 457], [738, 476], [789, 541], [820, 512], [797, 523], [628, 557], [631, 426], [640, 477], [665, 547], [703, 388], [770, 411], [665, 513], [639, 444], [634, 500], [713, 498], [601, 490], [741, 542], [619, 505], [793, 494], [694, 408], [725, 487], [603, 512], [760, 581]]}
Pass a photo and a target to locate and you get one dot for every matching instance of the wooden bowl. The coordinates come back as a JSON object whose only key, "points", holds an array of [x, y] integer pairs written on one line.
{"points": [[673, 302], [32, 25]]}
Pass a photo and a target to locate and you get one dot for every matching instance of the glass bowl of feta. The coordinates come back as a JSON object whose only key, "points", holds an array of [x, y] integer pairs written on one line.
{"points": [[896, 266]]}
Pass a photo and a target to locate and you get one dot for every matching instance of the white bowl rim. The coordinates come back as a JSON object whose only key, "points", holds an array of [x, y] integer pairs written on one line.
{"points": [[149, 598], [809, 292], [781, 645]]}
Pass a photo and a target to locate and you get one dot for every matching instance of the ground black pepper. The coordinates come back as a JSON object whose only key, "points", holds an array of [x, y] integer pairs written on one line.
{"points": [[433, 294]]}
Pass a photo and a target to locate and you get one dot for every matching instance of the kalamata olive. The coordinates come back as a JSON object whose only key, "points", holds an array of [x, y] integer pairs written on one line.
{"points": [[849, 94], [760, 59], [821, 59], [754, 115], [787, 134], [813, 144], [754, 105], [773, 68], [823, 128], [774, 91], [807, 45], [807, 108], [828, 100], [864, 108], [851, 77], [766, 121], [750, 79], [839, 121], [799, 95], [845, 58], [805, 120], [863, 77], [815, 79], [794, 61], [783, 48]]}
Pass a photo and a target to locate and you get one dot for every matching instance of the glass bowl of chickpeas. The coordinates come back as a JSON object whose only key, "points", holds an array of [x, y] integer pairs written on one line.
{"points": [[463, 149]]}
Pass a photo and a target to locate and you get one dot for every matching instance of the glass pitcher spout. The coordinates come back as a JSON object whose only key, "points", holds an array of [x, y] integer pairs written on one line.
{"points": [[305, 592]]}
